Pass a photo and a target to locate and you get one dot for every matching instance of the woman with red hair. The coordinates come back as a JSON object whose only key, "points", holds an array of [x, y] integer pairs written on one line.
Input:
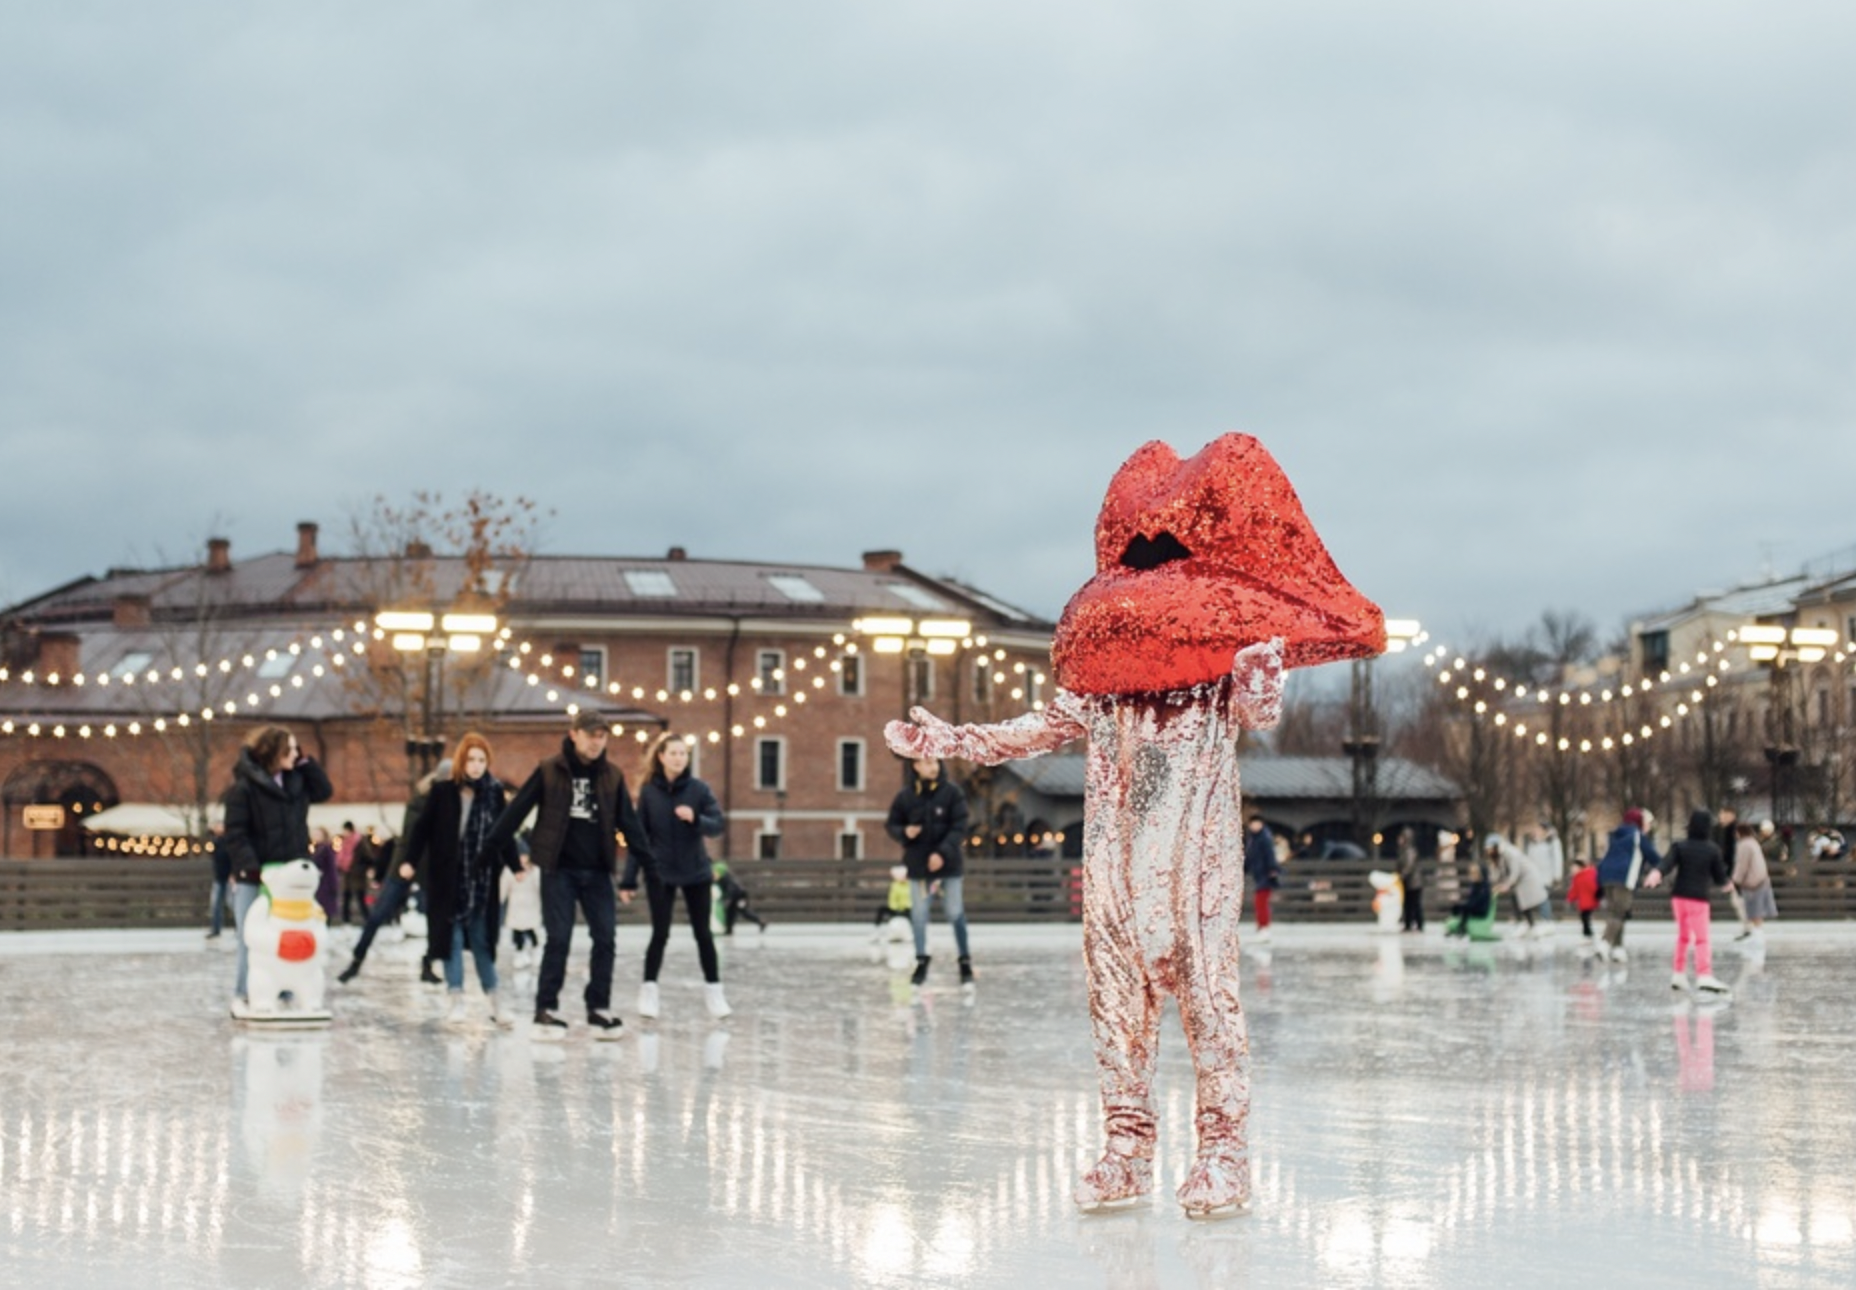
{"points": [[448, 844]]}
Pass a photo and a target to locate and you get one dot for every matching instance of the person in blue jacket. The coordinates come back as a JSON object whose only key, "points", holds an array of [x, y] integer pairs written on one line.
{"points": [[676, 811], [1629, 855], [1262, 870]]}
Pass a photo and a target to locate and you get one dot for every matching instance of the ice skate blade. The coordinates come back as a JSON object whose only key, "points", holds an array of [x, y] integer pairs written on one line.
{"points": [[287, 1020], [1113, 1206], [1213, 1213], [547, 1034]]}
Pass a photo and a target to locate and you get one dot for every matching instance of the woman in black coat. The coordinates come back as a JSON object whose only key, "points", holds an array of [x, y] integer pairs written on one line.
{"points": [[267, 819], [676, 811], [462, 875]]}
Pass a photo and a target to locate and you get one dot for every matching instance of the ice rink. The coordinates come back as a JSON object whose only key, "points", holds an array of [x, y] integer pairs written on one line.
{"points": [[1425, 1115]]}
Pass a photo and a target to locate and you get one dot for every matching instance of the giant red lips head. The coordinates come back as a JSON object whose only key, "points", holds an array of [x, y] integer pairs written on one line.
{"points": [[1197, 559]]}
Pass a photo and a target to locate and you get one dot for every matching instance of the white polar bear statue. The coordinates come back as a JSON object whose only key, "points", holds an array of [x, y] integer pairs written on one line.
{"points": [[286, 936], [1388, 899]]}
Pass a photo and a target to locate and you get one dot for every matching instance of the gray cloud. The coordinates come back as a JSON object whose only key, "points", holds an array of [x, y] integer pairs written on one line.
{"points": [[1538, 309]]}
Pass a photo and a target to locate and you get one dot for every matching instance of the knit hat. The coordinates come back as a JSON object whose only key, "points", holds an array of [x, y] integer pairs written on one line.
{"points": [[1634, 817]]}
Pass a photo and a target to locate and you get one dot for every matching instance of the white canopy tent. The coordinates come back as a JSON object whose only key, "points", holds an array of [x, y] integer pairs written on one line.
{"points": [[159, 820]]}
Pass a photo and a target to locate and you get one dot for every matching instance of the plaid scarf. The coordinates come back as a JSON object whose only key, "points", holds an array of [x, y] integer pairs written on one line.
{"points": [[486, 804]]}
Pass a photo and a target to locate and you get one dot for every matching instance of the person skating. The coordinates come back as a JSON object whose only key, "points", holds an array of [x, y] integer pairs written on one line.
{"points": [[449, 844], [521, 892], [676, 811], [1753, 880], [929, 818], [267, 822], [1263, 871], [396, 883], [1698, 867], [1628, 854], [581, 806], [735, 907]]}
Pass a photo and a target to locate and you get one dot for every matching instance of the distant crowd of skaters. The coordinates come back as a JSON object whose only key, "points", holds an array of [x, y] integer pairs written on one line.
{"points": [[1718, 852], [467, 858]]}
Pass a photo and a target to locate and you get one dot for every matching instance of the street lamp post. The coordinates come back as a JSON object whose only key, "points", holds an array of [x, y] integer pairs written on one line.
{"points": [[432, 636], [1362, 742], [912, 640], [1775, 647]]}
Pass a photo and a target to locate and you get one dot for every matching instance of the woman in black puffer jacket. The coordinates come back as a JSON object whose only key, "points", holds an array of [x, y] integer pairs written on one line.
{"points": [[676, 811], [267, 818], [1699, 867]]}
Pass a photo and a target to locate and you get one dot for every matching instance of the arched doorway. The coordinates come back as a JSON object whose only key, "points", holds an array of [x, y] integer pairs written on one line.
{"points": [[77, 787]]}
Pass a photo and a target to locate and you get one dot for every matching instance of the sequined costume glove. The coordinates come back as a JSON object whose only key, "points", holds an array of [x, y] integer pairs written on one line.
{"points": [[1031, 735]]}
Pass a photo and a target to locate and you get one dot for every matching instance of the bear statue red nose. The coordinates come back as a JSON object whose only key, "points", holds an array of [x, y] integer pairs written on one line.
{"points": [[1196, 559]]}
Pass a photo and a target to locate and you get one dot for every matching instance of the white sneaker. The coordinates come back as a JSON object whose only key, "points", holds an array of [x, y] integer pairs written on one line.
{"points": [[1712, 984], [716, 1001], [1679, 981], [1263, 936], [454, 1012], [647, 999], [498, 1017]]}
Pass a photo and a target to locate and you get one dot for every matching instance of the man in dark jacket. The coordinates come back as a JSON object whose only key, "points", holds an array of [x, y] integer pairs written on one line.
{"points": [[1628, 853], [1263, 871], [929, 819], [581, 805]]}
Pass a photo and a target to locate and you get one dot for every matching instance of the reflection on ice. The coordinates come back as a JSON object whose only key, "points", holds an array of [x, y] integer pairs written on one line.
{"points": [[1425, 1115]]}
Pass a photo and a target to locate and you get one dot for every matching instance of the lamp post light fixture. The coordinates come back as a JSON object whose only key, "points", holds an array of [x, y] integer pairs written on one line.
{"points": [[1362, 743], [926, 638], [432, 636]]}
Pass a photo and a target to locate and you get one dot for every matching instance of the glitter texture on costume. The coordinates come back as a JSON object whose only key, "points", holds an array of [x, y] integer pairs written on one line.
{"points": [[1191, 566], [1196, 559]]}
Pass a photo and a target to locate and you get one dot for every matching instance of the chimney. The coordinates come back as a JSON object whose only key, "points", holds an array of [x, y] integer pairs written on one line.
{"points": [[678, 553], [306, 554], [131, 610], [417, 550], [219, 555], [881, 561], [58, 655]]}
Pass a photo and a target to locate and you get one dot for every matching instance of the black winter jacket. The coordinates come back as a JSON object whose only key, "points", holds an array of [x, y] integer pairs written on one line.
{"points": [[1696, 862], [941, 809], [433, 850], [267, 823], [1260, 863], [677, 855], [549, 793]]}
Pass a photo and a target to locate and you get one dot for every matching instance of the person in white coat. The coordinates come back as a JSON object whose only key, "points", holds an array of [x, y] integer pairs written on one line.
{"points": [[1519, 875]]}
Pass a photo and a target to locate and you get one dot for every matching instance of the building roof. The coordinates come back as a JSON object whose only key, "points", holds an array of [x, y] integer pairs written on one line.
{"points": [[1329, 778], [273, 584], [1760, 600]]}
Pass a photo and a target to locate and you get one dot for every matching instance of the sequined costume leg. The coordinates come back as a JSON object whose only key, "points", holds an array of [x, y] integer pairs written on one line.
{"points": [[1206, 977]]}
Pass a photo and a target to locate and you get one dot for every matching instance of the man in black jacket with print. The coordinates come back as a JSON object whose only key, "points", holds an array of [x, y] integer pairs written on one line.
{"points": [[581, 805], [929, 819]]}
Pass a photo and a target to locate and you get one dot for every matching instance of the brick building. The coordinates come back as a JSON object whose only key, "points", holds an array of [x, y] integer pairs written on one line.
{"points": [[107, 683]]}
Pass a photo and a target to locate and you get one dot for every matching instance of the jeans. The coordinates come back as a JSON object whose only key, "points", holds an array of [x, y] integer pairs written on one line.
{"points": [[244, 896], [475, 933], [387, 907], [952, 905], [663, 902], [592, 891], [219, 906]]}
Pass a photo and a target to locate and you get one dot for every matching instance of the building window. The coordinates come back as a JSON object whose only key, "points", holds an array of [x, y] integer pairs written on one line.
{"points": [[682, 672], [1823, 707], [770, 669], [851, 845], [770, 764], [851, 765], [850, 675], [1655, 651], [921, 678], [593, 666], [767, 846], [982, 680]]}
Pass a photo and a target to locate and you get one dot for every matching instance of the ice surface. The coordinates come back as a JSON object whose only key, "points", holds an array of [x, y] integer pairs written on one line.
{"points": [[1424, 1116]]}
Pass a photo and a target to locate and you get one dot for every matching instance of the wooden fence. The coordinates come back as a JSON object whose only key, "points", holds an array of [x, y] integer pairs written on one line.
{"points": [[94, 893]]}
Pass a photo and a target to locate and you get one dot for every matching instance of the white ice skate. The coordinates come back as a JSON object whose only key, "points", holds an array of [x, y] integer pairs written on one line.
{"points": [[716, 1001], [647, 1000], [1115, 1182], [1708, 983], [1217, 1186]]}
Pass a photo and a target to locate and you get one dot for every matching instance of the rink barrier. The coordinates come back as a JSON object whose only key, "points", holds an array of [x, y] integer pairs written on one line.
{"points": [[99, 893]]}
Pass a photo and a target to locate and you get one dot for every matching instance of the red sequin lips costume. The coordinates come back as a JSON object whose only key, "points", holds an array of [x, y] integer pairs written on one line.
{"points": [[1209, 582]]}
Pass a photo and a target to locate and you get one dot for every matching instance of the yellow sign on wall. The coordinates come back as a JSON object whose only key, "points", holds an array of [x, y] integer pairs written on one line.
{"points": [[44, 817]]}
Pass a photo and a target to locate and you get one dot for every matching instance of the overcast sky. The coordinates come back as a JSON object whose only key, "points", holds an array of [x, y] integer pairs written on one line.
{"points": [[1537, 311]]}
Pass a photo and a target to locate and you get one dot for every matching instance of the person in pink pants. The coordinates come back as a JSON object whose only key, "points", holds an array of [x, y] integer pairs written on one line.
{"points": [[1698, 867]]}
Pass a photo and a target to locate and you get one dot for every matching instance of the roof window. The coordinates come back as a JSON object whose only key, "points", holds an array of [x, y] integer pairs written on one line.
{"points": [[794, 587], [650, 582]]}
